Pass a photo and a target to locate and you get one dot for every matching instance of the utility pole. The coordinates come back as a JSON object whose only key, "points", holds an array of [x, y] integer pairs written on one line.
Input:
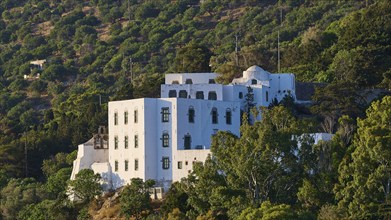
{"points": [[278, 41], [131, 69], [100, 99], [129, 9], [236, 49]]}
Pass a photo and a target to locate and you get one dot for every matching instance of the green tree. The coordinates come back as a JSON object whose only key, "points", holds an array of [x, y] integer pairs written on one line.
{"points": [[19, 193], [335, 100], [258, 161], [269, 211], [86, 185], [365, 176], [175, 198], [192, 58], [135, 198]]}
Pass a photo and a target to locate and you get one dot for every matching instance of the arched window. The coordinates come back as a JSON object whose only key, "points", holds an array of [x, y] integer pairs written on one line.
{"points": [[212, 95], [183, 94], [187, 142], [254, 81], [189, 81], [191, 114], [215, 116], [228, 116], [199, 95], [172, 93]]}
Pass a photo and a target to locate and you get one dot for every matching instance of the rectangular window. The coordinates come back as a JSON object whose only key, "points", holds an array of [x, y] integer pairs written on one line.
{"points": [[191, 115], [228, 117], [187, 140], [165, 114], [267, 96], [116, 166], [179, 165], [126, 117], [115, 118], [126, 142], [116, 142], [126, 165], [136, 141], [214, 116], [135, 116], [165, 163], [165, 140], [136, 164]]}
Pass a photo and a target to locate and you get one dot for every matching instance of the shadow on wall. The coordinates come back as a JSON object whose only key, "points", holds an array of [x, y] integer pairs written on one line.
{"points": [[106, 181], [116, 181]]}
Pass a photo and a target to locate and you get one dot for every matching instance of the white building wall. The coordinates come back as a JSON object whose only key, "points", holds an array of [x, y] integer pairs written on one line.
{"points": [[197, 78], [192, 89], [187, 158], [163, 176], [131, 129], [86, 156], [201, 131]]}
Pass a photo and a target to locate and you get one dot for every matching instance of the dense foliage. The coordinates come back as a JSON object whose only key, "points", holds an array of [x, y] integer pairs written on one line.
{"points": [[102, 50]]}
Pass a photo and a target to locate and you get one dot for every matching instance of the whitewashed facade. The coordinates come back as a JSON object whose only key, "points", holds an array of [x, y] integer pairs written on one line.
{"points": [[161, 138]]}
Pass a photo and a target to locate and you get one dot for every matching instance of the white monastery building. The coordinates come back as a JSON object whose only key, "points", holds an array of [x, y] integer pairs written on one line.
{"points": [[161, 138]]}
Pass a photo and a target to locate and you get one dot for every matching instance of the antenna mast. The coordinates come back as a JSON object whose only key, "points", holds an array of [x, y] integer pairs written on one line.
{"points": [[278, 41], [236, 49]]}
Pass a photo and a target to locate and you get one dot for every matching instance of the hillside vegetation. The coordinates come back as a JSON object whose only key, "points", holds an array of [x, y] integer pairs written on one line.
{"points": [[102, 50]]}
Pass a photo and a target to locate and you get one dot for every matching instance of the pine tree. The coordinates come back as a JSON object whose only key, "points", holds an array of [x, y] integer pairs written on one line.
{"points": [[365, 177]]}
